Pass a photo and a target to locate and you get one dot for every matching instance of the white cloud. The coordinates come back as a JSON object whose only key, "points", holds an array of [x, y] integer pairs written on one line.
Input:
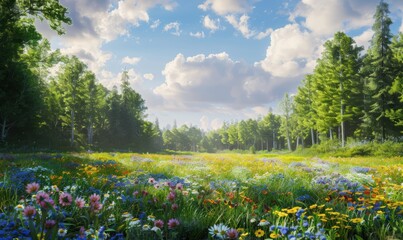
{"points": [[241, 25], [216, 124], [131, 61], [216, 82], [264, 34], [211, 24], [224, 7], [330, 16], [155, 24], [149, 76], [292, 52], [197, 34], [175, 26], [364, 39], [204, 123], [98, 22]]}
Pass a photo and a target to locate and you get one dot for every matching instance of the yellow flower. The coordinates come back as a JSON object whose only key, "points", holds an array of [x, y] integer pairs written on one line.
{"points": [[313, 206], [274, 235], [259, 233], [357, 220], [328, 209], [335, 227]]}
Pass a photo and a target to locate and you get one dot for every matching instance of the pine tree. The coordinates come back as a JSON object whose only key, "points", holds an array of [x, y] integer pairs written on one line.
{"points": [[378, 76]]}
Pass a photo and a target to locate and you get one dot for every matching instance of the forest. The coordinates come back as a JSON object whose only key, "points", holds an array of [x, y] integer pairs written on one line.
{"points": [[53, 101]]}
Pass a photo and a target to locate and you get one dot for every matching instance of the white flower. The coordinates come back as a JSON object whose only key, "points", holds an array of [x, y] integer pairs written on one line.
{"points": [[263, 222], [146, 227], [134, 223], [218, 231], [61, 232], [156, 229], [19, 208]]}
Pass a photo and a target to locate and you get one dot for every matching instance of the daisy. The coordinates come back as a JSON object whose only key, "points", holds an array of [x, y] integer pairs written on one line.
{"points": [[259, 233], [32, 188]]}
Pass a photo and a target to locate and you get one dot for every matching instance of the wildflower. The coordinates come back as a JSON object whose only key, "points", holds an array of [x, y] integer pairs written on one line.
{"points": [[134, 222], [95, 198], [54, 188], [219, 231], [146, 227], [151, 180], [19, 208], [284, 230], [263, 222], [357, 220], [259, 233], [29, 211], [65, 199], [159, 223], [174, 207], [135, 193], [274, 235], [96, 207], [80, 202], [179, 186], [232, 233], [173, 223], [61, 232], [49, 224], [313, 206], [32, 188], [171, 196], [156, 229]]}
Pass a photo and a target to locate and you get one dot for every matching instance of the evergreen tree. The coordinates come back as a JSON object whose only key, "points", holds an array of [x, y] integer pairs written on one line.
{"points": [[379, 77]]}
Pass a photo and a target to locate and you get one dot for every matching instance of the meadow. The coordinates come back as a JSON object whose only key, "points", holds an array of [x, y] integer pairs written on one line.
{"points": [[199, 196]]}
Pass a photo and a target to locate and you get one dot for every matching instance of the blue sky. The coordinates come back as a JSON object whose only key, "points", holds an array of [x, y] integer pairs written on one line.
{"points": [[203, 62]]}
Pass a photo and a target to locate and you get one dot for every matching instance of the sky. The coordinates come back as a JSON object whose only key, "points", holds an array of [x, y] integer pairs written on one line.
{"points": [[205, 62]]}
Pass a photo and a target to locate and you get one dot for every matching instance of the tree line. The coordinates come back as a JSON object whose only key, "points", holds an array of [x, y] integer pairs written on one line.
{"points": [[68, 109], [49, 100]]}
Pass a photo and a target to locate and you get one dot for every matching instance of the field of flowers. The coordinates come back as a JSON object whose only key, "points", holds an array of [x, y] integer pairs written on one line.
{"points": [[199, 196]]}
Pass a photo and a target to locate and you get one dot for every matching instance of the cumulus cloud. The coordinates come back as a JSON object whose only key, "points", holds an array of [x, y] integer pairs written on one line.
{"points": [[173, 28], [215, 81], [96, 22], [262, 35], [224, 7], [330, 16], [364, 39], [292, 52], [148, 76], [211, 24], [241, 25], [131, 61]]}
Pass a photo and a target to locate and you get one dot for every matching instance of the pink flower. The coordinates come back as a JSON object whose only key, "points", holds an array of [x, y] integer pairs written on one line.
{"points": [[173, 223], [96, 207], [29, 211], [174, 207], [41, 196], [232, 233], [44, 200], [179, 186], [32, 188], [135, 193], [80, 203], [65, 199], [49, 224], [171, 196], [151, 180], [94, 198], [159, 224]]}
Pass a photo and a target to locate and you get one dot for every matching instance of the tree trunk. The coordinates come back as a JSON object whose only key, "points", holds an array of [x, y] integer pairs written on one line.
{"points": [[331, 133], [3, 130], [312, 136], [72, 128]]}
